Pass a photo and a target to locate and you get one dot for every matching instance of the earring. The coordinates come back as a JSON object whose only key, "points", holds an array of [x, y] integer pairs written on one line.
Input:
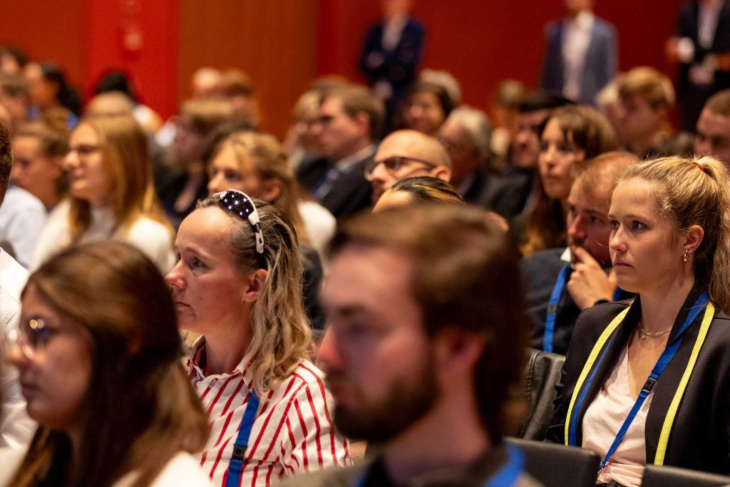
{"points": [[685, 256]]}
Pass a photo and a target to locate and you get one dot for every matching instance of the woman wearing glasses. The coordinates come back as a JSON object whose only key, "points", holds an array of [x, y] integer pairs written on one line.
{"points": [[110, 184], [650, 383], [99, 366], [238, 283], [572, 135]]}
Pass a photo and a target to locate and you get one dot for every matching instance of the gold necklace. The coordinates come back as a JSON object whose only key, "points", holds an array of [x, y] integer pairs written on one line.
{"points": [[643, 334]]}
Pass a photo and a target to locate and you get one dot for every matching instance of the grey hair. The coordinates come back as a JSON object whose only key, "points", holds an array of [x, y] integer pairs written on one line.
{"points": [[475, 124]]}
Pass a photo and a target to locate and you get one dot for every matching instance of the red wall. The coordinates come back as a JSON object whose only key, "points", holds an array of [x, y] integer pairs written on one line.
{"points": [[482, 42]]}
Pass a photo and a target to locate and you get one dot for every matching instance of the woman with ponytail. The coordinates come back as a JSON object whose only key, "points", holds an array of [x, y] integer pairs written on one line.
{"points": [[648, 381], [238, 283]]}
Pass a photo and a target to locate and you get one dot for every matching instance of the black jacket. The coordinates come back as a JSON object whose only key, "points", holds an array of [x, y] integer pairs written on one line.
{"points": [[700, 435]]}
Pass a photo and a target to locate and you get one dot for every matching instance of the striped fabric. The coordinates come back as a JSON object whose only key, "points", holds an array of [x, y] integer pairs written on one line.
{"points": [[292, 433]]}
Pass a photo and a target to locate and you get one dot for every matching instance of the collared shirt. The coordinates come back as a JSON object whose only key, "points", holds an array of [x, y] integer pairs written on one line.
{"points": [[392, 32], [576, 37], [338, 169], [292, 432], [22, 218], [709, 13]]}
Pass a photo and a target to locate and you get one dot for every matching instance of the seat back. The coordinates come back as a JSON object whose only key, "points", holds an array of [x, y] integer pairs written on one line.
{"points": [[542, 373], [655, 476], [558, 465]]}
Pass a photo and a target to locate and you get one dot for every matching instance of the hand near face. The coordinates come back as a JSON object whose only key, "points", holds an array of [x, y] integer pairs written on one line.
{"points": [[589, 282]]}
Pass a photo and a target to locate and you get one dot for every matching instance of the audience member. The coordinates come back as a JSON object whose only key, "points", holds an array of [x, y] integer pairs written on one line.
{"points": [[404, 154], [571, 135], [701, 49], [238, 283], [466, 134], [39, 149], [15, 98], [119, 82], [713, 128], [205, 82], [49, 89], [424, 347], [256, 164], [12, 60], [184, 181], [563, 281], [425, 107], [301, 141], [646, 96], [581, 53], [236, 88], [350, 120], [100, 366], [16, 428], [419, 189], [392, 52], [645, 382], [110, 184], [504, 109]]}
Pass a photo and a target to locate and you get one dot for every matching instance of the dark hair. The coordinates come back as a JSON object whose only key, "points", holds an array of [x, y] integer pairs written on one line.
{"points": [[587, 129], [14, 86], [116, 81], [140, 409], [6, 160], [20, 56], [67, 96], [427, 189], [445, 99], [543, 100], [359, 99], [465, 275]]}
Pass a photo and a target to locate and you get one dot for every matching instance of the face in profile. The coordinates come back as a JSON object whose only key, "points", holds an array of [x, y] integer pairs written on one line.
{"points": [[336, 132], [376, 353], [89, 178], [646, 248], [32, 171], [423, 113], [53, 356], [207, 288], [558, 155], [713, 136], [232, 169], [526, 146], [639, 119]]}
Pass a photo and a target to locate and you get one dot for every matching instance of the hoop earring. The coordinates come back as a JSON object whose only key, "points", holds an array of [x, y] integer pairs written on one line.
{"points": [[685, 256]]}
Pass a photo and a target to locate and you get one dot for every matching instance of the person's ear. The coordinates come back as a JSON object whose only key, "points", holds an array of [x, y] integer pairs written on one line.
{"points": [[457, 351], [254, 286], [693, 237], [441, 172], [270, 189]]}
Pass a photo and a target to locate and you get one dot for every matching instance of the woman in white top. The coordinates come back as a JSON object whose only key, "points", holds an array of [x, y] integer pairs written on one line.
{"points": [[98, 355], [110, 184], [238, 283]]}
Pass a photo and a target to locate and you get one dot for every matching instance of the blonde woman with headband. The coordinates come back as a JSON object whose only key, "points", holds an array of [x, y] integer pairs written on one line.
{"points": [[238, 283], [648, 382]]}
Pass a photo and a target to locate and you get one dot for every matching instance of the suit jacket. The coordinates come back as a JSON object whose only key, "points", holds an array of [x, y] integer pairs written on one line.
{"points": [[350, 193], [700, 435], [600, 65], [541, 271]]}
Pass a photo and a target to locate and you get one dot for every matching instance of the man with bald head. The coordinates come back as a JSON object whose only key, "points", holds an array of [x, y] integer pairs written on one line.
{"points": [[406, 154]]}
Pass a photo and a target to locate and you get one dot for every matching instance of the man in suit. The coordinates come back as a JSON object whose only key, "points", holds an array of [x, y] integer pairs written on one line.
{"points": [[562, 282], [349, 121], [713, 128], [424, 346], [392, 52], [581, 55], [701, 48]]}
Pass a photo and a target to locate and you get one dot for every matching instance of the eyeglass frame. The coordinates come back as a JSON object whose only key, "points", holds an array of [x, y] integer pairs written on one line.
{"points": [[371, 165], [248, 213]]}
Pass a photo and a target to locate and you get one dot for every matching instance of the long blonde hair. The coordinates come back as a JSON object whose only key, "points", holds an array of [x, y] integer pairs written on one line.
{"points": [[125, 155], [696, 191], [281, 333]]}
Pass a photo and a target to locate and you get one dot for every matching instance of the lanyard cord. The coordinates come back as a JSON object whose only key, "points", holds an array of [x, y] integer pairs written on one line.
{"points": [[235, 466]]}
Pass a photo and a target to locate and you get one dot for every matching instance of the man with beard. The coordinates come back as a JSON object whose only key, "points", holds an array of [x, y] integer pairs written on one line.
{"points": [[562, 282], [425, 342]]}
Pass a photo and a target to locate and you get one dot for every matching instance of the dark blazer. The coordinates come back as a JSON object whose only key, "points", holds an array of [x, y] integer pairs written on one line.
{"points": [[601, 60], [541, 271], [700, 436], [350, 193]]}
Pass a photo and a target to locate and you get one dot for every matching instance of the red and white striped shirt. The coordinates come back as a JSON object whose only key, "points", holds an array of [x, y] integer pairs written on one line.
{"points": [[292, 432]]}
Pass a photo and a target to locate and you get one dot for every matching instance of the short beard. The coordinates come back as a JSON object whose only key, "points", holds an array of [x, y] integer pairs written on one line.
{"points": [[405, 404]]}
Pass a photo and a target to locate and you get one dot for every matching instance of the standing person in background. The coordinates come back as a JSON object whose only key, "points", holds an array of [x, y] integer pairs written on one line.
{"points": [[392, 52], [581, 53], [110, 184], [701, 49]]}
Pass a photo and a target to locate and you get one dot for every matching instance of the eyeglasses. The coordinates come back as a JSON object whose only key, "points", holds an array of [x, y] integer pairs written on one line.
{"points": [[241, 205], [393, 165], [32, 335]]}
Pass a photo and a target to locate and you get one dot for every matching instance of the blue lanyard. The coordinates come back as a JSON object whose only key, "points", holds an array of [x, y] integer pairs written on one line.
{"points": [[617, 295], [506, 476], [666, 357], [552, 310], [235, 466]]}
